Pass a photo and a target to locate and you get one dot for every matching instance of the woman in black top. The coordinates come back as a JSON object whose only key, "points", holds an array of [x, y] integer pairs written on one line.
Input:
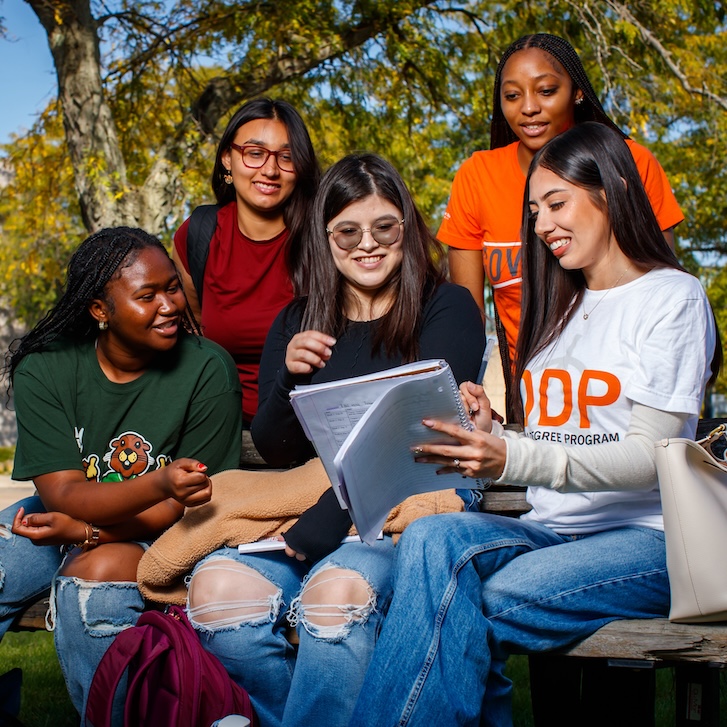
{"points": [[377, 299]]}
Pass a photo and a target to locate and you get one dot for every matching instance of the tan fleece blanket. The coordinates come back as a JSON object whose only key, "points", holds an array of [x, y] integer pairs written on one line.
{"points": [[247, 506]]}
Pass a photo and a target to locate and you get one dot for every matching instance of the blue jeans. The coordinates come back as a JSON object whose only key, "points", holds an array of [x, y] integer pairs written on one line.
{"points": [[470, 588], [88, 616], [26, 570], [319, 685]]}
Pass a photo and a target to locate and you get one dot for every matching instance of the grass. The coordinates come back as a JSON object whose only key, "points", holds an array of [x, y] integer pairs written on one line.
{"points": [[6, 460], [45, 702]]}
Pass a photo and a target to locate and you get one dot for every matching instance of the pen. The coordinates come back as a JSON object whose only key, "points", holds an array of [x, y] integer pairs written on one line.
{"points": [[489, 345]]}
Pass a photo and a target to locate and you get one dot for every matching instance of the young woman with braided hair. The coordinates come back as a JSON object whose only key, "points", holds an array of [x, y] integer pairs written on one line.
{"points": [[122, 416], [541, 90]]}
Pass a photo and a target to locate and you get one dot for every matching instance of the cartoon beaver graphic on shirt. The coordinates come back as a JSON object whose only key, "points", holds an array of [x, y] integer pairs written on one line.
{"points": [[129, 456]]}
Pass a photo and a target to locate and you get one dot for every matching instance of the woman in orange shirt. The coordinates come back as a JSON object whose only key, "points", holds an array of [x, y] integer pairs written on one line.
{"points": [[541, 90]]}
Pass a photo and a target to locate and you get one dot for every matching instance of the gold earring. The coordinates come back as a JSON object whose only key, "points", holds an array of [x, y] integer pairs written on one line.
{"points": [[227, 177], [102, 325]]}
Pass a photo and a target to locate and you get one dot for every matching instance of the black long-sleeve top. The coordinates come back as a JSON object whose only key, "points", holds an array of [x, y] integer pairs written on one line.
{"points": [[451, 330]]}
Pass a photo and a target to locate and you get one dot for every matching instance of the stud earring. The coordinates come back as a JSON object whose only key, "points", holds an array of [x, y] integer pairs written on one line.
{"points": [[102, 325], [227, 177], [579, 101]]}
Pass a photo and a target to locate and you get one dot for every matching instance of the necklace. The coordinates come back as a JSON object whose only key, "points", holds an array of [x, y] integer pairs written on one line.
{"points": [[600, 300]]}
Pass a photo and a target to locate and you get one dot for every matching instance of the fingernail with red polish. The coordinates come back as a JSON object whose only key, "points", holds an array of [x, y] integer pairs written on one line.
{"points": [[201, 466]]}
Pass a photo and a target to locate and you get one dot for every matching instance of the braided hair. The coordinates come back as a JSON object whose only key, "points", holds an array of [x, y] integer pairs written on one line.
{"points": [[99, 259], [564, 54]]}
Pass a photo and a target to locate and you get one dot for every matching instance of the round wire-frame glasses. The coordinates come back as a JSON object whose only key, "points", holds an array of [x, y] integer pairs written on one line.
{"points": [[255, 156], [348, 235]]}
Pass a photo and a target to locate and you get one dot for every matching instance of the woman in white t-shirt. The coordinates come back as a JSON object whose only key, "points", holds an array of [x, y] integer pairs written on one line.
{"points": [[616, 347]]}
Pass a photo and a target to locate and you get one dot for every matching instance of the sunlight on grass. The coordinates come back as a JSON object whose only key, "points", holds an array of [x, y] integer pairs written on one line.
{"points": [[517, 670], [45, 702]]}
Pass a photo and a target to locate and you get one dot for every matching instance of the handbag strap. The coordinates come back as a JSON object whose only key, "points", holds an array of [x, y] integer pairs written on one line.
{"points": [[716, 434]]}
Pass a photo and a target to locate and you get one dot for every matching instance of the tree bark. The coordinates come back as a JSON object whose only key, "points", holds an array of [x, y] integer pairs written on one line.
{"points": [[98, 164], [106, 197]]}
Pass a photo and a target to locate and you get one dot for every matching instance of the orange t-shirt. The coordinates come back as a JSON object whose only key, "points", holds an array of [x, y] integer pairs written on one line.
{"points": [[485, 212]]}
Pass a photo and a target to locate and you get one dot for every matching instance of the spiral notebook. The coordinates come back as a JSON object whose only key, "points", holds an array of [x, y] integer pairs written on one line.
{"points": [[364, 430]]}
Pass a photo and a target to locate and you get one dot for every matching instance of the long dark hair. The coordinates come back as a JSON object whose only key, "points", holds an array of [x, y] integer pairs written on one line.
{"points": [[563, 53], [594, 157], [98, 260], [353, 178], [297, 206]]}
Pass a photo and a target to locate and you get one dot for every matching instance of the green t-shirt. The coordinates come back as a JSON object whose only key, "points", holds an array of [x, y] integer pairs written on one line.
{"points": [[71, 417]]}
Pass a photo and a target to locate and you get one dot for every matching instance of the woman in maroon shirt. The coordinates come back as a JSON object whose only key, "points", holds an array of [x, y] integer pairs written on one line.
{"points": [[264, 178]]}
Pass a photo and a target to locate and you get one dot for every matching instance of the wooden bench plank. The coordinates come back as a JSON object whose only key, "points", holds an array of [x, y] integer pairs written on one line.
{"points": [[505, 500], [32, 618], [655, 640]]}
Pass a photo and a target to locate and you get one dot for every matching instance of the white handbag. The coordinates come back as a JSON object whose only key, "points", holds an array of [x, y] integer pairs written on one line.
{"points": [[693, 483]]}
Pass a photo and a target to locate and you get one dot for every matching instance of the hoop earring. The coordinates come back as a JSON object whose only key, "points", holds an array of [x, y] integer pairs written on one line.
{"points": [[227, 177], [102, 325]]}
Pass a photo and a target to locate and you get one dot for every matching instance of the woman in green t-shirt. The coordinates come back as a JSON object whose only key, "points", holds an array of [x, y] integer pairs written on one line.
{"points": [[122, 416]]}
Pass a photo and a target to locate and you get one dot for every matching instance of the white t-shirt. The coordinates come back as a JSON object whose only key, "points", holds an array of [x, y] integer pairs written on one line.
{"points": [[648, 342]]}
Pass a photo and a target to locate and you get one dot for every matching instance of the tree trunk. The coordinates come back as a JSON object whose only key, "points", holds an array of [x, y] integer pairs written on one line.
{"points": [[99, 168], [106, 198]]}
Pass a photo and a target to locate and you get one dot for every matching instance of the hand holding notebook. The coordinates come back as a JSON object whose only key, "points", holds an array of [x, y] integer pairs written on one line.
{"points": [[370, 425]]}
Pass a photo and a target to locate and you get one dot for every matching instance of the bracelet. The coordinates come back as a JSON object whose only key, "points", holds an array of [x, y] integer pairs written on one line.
{"points": [[92, 536]]}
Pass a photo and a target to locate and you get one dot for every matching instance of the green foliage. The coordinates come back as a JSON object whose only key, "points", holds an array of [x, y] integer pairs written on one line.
{"points": [[717, 291], [39, 216], [6, 460], [411, 80]]}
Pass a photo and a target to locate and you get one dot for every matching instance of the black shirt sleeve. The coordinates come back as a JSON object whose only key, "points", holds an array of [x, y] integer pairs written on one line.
{"points": [[276, 431], [452, 329], [320, 529]]}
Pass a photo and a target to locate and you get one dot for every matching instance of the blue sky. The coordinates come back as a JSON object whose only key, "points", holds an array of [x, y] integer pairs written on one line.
{"points": [[27, 77]]}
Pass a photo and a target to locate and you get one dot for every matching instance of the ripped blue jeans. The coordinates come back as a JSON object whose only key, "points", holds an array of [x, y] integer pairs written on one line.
{"points": [[245, 625], [470, 589], [26, 570], [88, 615]]}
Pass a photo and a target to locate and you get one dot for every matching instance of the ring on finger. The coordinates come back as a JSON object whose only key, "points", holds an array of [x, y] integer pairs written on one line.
{"points": [[456, 463]]}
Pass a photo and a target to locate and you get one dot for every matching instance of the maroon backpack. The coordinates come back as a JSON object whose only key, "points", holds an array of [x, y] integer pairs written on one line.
{"points": [[172, 680]]}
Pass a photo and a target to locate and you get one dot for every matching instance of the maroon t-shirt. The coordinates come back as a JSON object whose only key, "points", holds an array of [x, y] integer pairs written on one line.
{"points": [[246, 284]]}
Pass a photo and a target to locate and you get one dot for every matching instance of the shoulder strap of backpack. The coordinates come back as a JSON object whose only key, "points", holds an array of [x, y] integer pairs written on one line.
{"points": [[202, 225], [108, 674]]}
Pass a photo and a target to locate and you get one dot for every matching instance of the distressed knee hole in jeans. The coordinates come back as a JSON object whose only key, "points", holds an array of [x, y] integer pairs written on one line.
{"points": [[332, 601], [224, 593], [97, 604]]}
